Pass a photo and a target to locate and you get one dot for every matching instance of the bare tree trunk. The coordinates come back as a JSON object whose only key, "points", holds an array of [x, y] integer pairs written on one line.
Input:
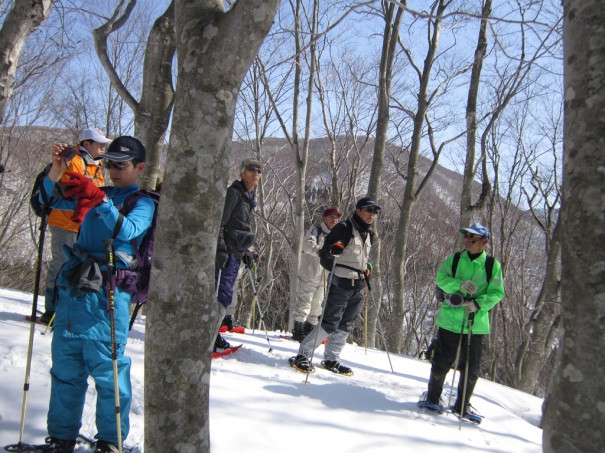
{"points": [[392, 18], [215, 49], [24, 17], [542, 329], [152, 112], [395, 337], [467, 209], [573, 419]]}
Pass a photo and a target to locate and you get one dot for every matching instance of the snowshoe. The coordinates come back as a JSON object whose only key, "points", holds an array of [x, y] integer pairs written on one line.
{"points": [[51, 445], [470, 415], [226, 351], [105, 447], [430, 406], [302, 364], [336, 367]]}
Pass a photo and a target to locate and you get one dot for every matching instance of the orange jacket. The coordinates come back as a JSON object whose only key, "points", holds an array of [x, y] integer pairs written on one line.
{"points": [[62, 219]]}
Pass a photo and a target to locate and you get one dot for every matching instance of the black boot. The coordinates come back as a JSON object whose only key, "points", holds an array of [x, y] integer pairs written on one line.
{"points": [[105, 447], [297, 332], [307, 328], [221, 344], [59, 445]]}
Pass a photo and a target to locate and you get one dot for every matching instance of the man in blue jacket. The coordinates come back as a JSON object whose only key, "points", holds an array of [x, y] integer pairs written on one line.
{"points": [[82, 345]]}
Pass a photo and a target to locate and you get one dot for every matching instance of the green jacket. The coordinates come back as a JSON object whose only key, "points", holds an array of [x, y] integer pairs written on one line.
{"points": [[450, 318]]}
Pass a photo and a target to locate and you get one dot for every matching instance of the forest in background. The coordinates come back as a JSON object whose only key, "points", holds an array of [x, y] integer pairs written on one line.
{"points": [[344, 99]]}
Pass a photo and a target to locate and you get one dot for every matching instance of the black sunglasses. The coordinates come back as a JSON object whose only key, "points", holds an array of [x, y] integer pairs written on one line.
{"points": [[254, 170], [109, 164], [371, 209]]}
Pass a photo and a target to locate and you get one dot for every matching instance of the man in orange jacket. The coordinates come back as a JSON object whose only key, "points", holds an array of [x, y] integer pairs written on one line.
{"points": [[63, 230]]}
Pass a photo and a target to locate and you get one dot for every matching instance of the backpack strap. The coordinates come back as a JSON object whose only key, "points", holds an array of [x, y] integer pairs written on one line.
{"points": [[489, 267], [455, 263]]}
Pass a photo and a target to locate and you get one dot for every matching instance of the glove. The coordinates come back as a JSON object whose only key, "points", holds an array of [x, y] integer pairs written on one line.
{"points": [[221, 259], [468, 287], [471, 306], [337, 248], [368, 271], [79, 186], [248, 259], [83, 205]]}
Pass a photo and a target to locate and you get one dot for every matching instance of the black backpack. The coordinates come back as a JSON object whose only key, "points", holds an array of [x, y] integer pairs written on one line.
{"points": [[489, 268], [37, 192], [136, 281]]}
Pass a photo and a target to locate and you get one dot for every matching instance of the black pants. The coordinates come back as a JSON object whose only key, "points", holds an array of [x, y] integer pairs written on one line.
{"points": [[444, 359]]}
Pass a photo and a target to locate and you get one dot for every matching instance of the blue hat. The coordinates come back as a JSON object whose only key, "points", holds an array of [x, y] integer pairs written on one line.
{"points": [[476, 228], [125, 148], [366, 201]]}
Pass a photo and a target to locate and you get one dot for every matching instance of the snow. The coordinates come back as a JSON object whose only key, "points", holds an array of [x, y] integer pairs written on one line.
{"points": [[258, 402]]}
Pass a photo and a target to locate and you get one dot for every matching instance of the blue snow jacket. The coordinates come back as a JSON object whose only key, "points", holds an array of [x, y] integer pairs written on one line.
{"points": [[85, 314]]}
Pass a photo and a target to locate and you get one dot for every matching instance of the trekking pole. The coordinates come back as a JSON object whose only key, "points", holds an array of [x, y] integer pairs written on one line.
{"points": [[449, 403], [32, 329], [260, 310], [112, 324], [384, 342], [323, 308], [471, 317], [218, 282]]}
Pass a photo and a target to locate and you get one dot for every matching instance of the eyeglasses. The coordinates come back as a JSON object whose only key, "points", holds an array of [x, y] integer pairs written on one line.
{"points": [[254, 170], [472, 236], [371, 210], [109, 164]]}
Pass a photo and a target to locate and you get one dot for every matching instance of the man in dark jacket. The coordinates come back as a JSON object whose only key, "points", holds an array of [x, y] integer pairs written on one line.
{"points": [[345, 253], [236, 236]]}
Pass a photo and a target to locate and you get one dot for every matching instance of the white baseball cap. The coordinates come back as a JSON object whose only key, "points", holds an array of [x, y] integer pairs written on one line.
{"points": [[95, 135]]}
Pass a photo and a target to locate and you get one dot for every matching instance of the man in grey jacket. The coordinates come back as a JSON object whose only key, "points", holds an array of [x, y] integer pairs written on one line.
{"points": [[311, 276]]}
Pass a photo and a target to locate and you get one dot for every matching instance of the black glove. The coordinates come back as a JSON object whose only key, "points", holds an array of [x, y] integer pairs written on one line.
{"points": [[248, 259], [337, 248], [221, 259]]}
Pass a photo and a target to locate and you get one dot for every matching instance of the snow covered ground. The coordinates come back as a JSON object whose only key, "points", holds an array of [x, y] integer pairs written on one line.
{"points": [[259, 404]]}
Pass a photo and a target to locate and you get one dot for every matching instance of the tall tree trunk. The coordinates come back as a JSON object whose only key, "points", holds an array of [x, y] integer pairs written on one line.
{"points": [[467, 209], [215, 49], [542, 329], [24, 17], [573, 419], [392, 18], [152, 112], [396, 324]]}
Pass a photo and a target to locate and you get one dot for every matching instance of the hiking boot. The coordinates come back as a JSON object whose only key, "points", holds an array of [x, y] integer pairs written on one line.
{"points": [[228, 322], [105, 447], [469, 414], [336, 367], [298, 332], [47, 317], [59, 445], [301, 363], [220, 344], [307, 328]]}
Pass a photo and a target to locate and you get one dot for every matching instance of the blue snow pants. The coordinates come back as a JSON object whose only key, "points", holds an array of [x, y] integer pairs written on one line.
{"points": [[228, 277], [75, 359]]}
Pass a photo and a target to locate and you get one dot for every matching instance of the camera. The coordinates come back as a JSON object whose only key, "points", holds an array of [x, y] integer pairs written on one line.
{"points": [[68, 153], [455, 299]]}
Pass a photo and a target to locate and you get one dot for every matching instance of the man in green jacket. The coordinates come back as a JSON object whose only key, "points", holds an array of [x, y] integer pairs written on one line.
{"points": [[469, 298]]}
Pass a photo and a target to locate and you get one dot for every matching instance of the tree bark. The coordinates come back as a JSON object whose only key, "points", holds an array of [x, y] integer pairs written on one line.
{"points": [[24, 17], [215, 49], [393, 16], [152, 112], [573, 419]]}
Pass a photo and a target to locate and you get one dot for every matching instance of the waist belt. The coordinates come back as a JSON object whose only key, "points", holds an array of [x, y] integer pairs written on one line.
{"points": [[348, 283]]}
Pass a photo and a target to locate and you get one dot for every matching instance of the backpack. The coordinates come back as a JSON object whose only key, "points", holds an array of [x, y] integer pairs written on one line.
{"points": [[489, 268], [136, 281], [37, 189], [37, 192]]}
